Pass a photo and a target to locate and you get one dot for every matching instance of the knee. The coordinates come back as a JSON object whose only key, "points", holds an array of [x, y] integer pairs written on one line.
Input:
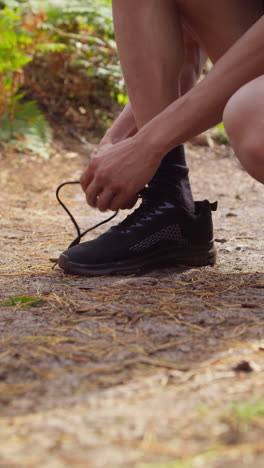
{"points": [[234, 119], [246, 133], [251, 155]]}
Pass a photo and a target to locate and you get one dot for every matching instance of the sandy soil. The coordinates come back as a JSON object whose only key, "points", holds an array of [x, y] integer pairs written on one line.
{"points": [[163, 370]]}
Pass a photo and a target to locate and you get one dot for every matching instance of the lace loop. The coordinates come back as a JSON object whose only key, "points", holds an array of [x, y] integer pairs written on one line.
{"points": [[80, 234]]}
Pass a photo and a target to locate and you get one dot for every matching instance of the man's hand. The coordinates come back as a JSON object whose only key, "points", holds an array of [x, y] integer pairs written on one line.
{"points": [[113, 178]]}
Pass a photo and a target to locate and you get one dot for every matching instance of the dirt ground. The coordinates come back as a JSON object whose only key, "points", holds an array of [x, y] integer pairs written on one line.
{"points": [[164, 370]]}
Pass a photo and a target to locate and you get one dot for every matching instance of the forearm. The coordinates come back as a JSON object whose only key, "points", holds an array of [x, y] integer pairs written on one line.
{"points": [[123, 127], [203, 106]]}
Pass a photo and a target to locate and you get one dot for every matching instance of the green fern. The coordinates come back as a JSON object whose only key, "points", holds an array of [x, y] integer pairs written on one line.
{"points": [[75, 35], [25, 127], [20, 122], [13, 44]]}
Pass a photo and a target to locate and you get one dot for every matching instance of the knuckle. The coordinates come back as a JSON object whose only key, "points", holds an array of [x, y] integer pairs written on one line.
{"points": [[116, 187], [102, 177]]}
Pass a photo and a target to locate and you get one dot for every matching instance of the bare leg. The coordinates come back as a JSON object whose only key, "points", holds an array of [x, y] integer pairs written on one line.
{"points": [[244, 122], [244, 115], [177, 76], [150, 41], [150, 45], [194, 61], [153, 51], [217, 25]]}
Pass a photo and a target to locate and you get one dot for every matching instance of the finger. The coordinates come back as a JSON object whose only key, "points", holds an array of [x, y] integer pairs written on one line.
{"points": [[92, 193], [85, 179], [88, 175], [130, 203], [118, 201], [105, 199]]}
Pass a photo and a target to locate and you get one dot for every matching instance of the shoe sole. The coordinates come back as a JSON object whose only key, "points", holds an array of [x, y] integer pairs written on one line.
{"points": [[155, 260]]}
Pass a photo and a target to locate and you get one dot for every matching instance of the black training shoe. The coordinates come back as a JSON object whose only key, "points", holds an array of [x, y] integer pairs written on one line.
{"points": [[157, 234]]}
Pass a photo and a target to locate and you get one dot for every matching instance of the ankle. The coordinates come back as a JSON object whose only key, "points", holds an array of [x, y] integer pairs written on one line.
{"points": [[172, 179]]}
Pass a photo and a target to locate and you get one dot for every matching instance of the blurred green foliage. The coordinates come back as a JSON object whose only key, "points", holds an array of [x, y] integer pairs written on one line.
{"points": [[16, 48], [61, 54], [220, 134]]}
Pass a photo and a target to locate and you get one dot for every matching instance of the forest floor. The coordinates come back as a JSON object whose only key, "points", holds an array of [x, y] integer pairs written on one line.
{"points": [[162, 370]]}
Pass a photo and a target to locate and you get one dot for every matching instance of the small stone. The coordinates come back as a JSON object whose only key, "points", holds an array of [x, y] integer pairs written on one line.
{"points": [[243, 366], [221, 241], [249, 305]]}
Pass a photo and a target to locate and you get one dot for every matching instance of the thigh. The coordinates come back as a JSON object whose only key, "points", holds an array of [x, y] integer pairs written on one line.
{"points": [[217, 25]]}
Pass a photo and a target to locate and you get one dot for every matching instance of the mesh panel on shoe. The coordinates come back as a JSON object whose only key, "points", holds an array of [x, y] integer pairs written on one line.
{"points": [[172, 233]]}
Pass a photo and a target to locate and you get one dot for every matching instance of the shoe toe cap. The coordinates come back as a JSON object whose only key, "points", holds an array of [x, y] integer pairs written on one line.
{"points": [[85, 254], [75, 255]]}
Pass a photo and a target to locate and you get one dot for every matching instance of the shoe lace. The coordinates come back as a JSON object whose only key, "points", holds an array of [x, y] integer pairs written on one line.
{"points": [[145, 211], [80, 234]]}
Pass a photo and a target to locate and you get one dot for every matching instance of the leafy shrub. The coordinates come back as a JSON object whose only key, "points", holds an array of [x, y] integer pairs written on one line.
{"points": [[18, 120], [61, 54], [75, 74]]}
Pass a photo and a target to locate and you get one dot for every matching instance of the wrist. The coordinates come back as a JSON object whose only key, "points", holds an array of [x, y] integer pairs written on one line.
{"points": [[154, 147]]}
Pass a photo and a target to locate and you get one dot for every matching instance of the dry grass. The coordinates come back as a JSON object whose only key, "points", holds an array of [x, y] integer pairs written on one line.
{"points": [[128, 371]]}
